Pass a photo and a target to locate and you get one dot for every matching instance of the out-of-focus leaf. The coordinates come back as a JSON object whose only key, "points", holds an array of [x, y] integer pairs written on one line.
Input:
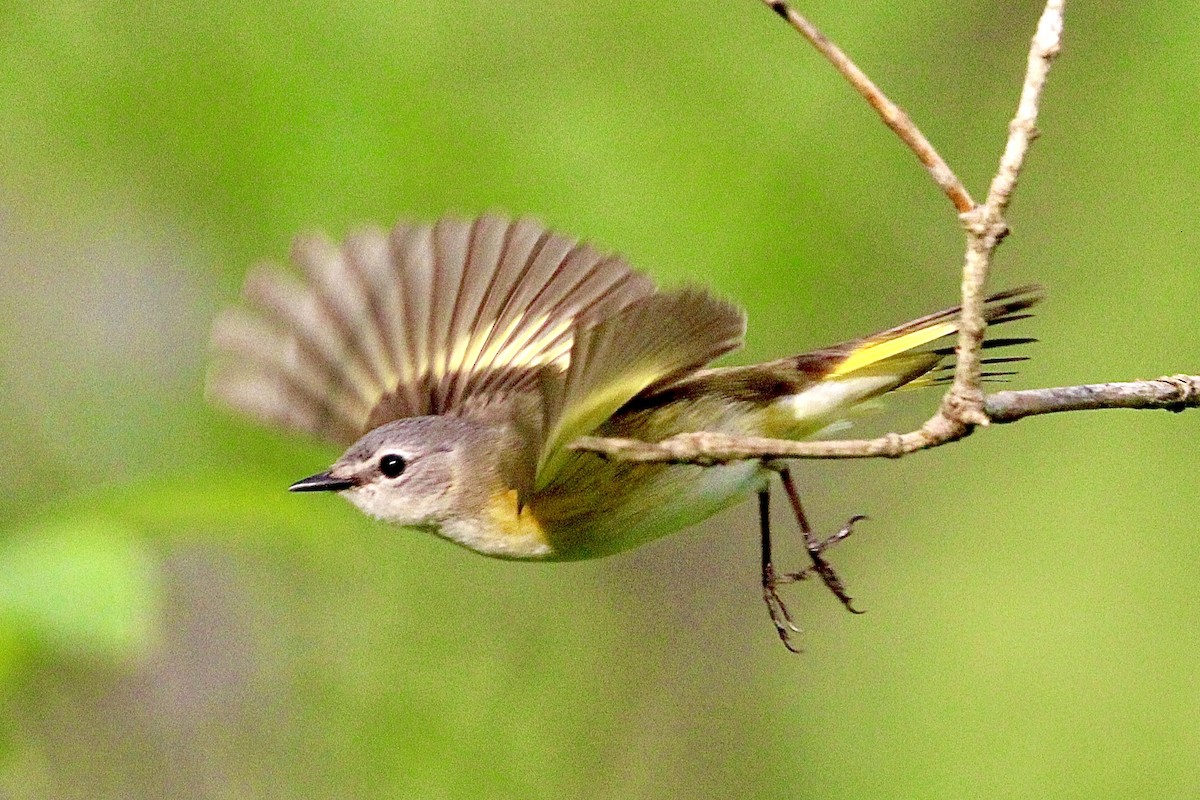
{"points": [[84, 587]]}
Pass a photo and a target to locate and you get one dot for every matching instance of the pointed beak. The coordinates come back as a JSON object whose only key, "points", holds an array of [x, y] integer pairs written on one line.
{"points": [[321, 482]]}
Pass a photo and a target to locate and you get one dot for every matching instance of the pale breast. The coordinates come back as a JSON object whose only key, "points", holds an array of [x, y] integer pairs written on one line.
{"points": [[502, 530]]}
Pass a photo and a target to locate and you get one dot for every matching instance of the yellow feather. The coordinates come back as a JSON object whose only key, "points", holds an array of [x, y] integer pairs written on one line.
{"points": [[873, 352]]}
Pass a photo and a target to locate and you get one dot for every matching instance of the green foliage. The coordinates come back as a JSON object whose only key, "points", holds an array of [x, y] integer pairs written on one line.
{"points": [[172, 623], [86, 588]]}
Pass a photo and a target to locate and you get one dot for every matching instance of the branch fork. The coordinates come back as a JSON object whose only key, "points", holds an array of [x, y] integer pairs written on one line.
{"points": [[964, 406]]}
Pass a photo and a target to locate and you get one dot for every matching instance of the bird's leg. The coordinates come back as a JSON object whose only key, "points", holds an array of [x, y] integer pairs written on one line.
{"points": [[780, 616], [815, 546]]}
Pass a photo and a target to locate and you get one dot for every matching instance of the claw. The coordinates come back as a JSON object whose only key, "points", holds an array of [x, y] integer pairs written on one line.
{"points": [[831, 580], [815, 547], [781, 618], [825, 571], [773, 600], [844, 533]]}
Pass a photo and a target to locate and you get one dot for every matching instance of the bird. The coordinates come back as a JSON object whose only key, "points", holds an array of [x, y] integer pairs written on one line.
{"points": [[456, 361]]}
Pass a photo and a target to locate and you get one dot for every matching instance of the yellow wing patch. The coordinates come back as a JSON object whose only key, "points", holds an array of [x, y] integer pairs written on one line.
{"points": [[654, 341]]}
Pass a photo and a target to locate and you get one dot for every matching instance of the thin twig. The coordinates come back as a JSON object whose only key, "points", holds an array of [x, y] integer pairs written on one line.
{"points": [[892, 115], [1046, 44], [986, 227], [1174, 393]]}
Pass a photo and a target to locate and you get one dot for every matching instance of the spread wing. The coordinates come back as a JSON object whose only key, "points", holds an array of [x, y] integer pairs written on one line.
{"points": [[424, 319], [651, 344]]}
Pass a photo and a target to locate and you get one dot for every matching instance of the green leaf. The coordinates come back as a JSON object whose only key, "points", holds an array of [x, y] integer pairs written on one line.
{"points": [[85, 587]]}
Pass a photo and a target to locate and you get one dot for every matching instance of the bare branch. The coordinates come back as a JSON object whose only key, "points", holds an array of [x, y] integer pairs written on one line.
{"points": [[1046, 44], [892, 115], [986, 226], [1174, 393], [964, 406]]}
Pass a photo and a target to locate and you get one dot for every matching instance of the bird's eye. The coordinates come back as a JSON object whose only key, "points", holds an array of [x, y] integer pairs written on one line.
{"points": [[392, 465]]}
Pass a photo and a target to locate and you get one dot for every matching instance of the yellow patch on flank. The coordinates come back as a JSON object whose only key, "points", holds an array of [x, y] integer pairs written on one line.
{"points": [[522, 530], [877, 351]]}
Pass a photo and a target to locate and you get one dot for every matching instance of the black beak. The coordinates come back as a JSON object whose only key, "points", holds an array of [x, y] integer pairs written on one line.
{"points": [[321, 482]]}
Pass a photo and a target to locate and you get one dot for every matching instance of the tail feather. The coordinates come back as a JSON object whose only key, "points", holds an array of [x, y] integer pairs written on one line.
{"points": [[1001, 307], [991, 344], [809, 391]]}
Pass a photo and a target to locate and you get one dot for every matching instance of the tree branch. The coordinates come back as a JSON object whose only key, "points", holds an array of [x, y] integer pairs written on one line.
{"points": [[964, 406], [1174, 393], [892, 115]]}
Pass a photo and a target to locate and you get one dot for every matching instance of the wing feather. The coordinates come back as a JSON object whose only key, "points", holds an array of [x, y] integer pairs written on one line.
{"points": [[285, 302], [366, 253], [422, 319], [344, 294], [481, 279], [649, 345]]}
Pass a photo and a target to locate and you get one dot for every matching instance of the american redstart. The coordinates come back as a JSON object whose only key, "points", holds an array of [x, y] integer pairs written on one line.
{"points": [[458, 360]]}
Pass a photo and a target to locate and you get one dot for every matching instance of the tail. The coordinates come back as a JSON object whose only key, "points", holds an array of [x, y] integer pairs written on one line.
{"points": [[804, 394], [905, 340], [849, 374]]}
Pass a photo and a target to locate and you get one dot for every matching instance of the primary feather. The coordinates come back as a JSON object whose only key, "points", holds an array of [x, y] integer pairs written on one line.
{"points": [[424, 320]]}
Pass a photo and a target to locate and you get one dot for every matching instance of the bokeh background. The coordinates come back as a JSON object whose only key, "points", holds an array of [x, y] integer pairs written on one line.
{"points": [[174, 625]]}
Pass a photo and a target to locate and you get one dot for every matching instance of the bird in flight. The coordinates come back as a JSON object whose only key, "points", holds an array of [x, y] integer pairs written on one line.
{"points": [[457, 361]]}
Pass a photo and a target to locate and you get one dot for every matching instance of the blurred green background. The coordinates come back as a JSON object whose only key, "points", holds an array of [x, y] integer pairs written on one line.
{"points": [[173, 624]]}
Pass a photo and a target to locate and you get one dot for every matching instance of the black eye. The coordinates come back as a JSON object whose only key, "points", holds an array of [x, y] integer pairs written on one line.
{"points": [[392, 465]]}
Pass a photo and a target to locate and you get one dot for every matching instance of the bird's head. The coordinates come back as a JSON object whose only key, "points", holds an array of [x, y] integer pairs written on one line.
{"points": [[417, 471]]}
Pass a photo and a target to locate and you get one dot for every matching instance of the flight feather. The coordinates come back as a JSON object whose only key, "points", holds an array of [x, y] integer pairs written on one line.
{"points": [[419, 320]]}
